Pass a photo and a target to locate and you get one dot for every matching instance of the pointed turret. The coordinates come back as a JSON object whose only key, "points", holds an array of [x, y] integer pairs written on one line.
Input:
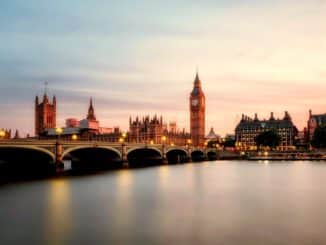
{"points": [[197, 80], [54, 100], [91, 114], [36, 100], [287, 116], [197, 90], [16, 134], [272, 116], [45, 95], [45, 99]]}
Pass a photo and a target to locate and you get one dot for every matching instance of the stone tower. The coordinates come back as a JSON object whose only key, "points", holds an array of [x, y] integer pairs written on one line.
{"points": [[197, 113], [45, 114]]}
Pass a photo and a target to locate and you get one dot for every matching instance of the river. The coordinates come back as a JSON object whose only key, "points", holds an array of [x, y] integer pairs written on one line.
{"points": [[222, 202]]}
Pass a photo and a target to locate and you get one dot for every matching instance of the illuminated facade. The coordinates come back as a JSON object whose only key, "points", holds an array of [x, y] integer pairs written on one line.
{"points": [[45, 114], [197, 113], [152, 129], [248, 129]]}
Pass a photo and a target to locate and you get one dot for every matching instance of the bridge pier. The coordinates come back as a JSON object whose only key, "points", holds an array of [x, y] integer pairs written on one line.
{"points": [[59, 165], [164, 157], [125, 163], [189, 154]]}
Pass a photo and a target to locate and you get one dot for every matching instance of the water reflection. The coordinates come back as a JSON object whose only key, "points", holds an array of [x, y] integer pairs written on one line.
{"points": [[216, 202], [58, 218], [124, 202], [164, 173]]}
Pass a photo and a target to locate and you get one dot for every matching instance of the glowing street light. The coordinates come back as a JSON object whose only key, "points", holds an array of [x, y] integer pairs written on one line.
{"points": [[2, 133], [58, 131], [189, 141], [163, 138], [124, 135], [121, 140], [74, 137], [151, 142]]}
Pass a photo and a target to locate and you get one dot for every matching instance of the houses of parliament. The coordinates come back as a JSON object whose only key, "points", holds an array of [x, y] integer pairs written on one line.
{"points": [[146, 129]]}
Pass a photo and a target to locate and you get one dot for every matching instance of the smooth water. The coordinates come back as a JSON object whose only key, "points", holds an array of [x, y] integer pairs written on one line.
{"points": [[201, 203]]}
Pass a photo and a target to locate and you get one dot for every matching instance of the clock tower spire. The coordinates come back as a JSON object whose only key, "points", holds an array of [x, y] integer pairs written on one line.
{"points": [[197, 113]]}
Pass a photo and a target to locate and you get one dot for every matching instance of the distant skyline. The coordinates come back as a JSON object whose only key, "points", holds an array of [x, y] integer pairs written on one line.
{"points": [[140, 57]]}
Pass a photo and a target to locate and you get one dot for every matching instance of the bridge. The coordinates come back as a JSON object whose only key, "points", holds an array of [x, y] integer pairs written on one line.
{"points": [[93, 154]]}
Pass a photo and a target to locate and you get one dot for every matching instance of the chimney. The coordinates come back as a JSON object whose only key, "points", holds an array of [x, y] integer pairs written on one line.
{"points": [[272, 116]]}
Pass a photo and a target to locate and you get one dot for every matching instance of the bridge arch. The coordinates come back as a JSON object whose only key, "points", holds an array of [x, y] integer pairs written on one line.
{"points": [[143, 148], [144, 156], [198, 155], [67, 151], [93, 157], [30, 147], [26, 161], [177, 149], [177, 155], [212, 155]]}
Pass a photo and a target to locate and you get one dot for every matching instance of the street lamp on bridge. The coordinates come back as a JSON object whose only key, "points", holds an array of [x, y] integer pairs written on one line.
{"points": [[74, 137], [2, 134], [58, 131]]}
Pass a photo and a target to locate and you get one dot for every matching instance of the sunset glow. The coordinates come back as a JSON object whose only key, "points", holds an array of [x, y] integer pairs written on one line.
{"points": [[140, 57]]}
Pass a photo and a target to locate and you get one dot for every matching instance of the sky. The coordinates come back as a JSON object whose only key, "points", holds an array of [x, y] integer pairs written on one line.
{"points": [[140, 57]]}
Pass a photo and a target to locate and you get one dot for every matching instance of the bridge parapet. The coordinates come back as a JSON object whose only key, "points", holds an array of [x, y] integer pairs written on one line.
{"points": [[58, 149]]}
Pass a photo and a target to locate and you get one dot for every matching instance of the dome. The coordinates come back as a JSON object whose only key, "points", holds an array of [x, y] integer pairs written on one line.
{"points": [[212, 135]]}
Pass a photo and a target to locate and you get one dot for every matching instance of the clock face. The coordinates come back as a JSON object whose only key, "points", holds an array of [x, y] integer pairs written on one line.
{"points": [[194, 102]]}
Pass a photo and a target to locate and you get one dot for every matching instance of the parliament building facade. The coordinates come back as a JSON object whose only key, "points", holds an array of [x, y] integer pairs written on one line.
{"points": [[248, 129]]}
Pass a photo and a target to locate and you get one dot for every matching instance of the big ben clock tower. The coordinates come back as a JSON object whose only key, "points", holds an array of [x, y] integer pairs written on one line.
{"points": [[197, 114]]}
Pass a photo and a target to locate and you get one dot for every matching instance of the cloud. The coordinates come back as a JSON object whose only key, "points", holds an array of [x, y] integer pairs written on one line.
{"points": [[139, 57]]}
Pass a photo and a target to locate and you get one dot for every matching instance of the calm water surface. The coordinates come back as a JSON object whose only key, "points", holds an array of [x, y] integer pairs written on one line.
{"points": [[204, 203]]}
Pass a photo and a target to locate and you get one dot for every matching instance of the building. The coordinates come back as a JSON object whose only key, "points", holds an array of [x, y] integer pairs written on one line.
{"points": [[212, 136], [146, 129], [152, 129], [85, 129], [248, 129], [314, 121], [90, 123], [72, 123], [45, 114], [197, 113]]}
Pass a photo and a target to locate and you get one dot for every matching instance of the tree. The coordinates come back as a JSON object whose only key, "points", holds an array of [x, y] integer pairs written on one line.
{"points": [[268, 138], [212, 143], [319, 137], [229, 142]]}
